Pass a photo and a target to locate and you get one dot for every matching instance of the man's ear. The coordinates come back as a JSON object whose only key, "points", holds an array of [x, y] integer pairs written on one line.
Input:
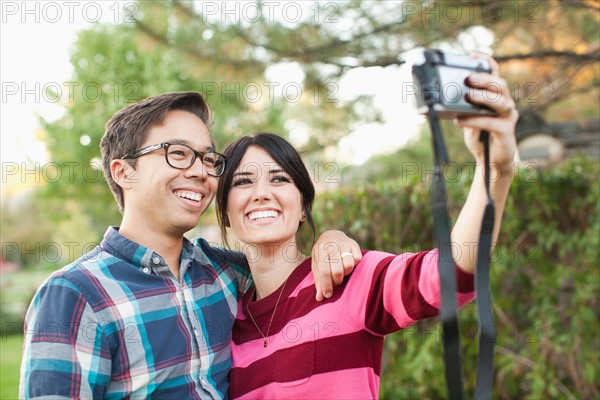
{"points": [[123, 173]]}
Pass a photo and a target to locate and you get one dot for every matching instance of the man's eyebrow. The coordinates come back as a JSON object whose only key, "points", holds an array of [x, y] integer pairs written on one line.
{"points": [[187, 143]]}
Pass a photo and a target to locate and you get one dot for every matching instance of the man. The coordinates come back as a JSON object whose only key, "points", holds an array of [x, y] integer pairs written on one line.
{"points": [[147, 313]]}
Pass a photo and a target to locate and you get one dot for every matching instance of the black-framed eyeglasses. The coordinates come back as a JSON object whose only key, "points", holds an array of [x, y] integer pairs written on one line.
{"points": [[181, 156]]}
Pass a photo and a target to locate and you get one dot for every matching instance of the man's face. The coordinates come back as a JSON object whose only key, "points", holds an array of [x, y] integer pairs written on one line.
{"points": [[165, 199]]}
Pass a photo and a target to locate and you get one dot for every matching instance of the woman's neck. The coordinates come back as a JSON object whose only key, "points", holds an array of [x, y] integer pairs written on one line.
{"points": [[271, 265]]}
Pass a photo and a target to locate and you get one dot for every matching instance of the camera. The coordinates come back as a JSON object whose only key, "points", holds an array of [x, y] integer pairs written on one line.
{"points": [[440, 82]]}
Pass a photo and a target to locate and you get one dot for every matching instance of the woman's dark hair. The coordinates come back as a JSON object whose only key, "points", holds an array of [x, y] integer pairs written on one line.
{"points": [[284, 154]]}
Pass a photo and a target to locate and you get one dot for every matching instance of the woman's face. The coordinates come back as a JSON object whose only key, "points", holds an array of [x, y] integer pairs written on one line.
{"points": [[264, 205]]}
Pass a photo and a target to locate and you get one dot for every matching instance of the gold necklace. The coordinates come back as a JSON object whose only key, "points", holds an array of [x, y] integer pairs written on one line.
{"points": [[272, 315]]}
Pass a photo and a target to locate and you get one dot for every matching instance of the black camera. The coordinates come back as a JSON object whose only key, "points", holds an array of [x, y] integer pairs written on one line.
{"points": [[440, 82]]}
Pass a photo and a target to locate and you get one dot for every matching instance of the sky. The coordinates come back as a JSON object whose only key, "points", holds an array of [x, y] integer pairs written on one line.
{"points": [[35, 42], [34, 54]]}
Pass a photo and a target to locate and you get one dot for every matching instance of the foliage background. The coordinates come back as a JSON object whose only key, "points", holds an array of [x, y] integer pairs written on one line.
{"points": [[545, 272], [544, 277]]}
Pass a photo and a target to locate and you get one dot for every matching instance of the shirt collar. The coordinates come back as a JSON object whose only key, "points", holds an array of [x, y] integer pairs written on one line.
{"points": [[143, 257]]}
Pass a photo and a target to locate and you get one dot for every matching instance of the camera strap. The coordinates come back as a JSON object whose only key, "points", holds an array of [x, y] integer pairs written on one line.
{"points": [[446, 267]]}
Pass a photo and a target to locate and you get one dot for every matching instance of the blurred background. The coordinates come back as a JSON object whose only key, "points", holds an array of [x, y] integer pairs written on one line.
{"points": [[329, 77]]}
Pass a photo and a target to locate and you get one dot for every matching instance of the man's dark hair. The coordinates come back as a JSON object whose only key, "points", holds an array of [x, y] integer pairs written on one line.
{"points": [[128, 128], [284, 154]]}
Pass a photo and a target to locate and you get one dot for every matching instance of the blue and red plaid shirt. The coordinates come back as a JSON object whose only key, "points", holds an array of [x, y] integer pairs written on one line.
{"points": [[117, 324]]}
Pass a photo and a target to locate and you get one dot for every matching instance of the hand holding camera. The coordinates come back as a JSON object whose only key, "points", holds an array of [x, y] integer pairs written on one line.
{"points": [[469, 90]]}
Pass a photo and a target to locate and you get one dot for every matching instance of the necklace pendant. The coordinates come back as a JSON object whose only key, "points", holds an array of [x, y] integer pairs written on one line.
{"points": [[265, 344]]}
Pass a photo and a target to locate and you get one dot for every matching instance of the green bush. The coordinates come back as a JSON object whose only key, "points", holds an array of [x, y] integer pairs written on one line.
{"points": [[16, 291], [544, 274]]}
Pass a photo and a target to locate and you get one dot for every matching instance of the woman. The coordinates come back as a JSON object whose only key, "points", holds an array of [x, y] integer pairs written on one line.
{"points": [[287, 345]]}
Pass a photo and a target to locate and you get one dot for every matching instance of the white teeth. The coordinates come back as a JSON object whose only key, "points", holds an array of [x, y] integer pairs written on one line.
{"points": [[189, 195], [263, 214]]}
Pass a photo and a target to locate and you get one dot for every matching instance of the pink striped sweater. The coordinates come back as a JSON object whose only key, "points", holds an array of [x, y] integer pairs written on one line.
{"points": [[333, 349]]}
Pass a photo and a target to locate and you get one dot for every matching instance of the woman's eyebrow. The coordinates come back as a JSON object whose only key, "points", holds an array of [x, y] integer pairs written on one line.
{"points": [[244, 173]]}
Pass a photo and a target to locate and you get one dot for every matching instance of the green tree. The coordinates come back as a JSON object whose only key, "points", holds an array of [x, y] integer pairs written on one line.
{"points": [[548, 51]]}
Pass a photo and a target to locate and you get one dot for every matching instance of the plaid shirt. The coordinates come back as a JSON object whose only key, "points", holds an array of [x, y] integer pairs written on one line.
{"points": [[117, 324]]}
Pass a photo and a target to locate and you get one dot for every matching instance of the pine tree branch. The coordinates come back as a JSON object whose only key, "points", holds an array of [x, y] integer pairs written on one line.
{"points": [[590, 56], [211, 58]]}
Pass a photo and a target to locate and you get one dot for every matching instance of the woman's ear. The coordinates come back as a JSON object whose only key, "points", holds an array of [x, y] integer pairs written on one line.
{"points": [[122, 173]]}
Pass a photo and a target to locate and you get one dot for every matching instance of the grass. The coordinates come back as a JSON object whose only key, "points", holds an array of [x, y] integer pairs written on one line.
{"points": [[10, 356], [16, 290]]}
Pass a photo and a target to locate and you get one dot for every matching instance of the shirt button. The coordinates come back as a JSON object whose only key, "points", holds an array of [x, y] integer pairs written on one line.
{"points": [[155, 260], [203, 381], [146, 270], [195, 331]]}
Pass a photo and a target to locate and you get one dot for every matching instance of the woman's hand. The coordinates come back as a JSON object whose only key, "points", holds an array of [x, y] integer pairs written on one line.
{"points": [[492, 91]]}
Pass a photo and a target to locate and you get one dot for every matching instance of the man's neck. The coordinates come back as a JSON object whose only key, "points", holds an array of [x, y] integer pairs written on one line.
{"points": [[168, 246]]}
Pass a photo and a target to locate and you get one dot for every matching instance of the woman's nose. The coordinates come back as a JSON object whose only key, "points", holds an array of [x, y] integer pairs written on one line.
{"points": [[261, 191]]}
